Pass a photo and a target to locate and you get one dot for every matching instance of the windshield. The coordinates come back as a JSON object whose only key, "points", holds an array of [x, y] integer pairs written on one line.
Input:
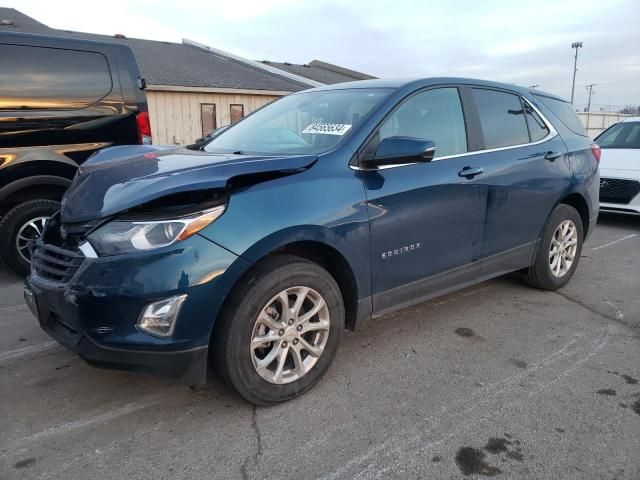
{"points": [[621, 135], [304, 123]]}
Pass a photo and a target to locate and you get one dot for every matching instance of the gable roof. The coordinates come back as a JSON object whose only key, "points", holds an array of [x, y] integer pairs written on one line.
{"points": [[12, 20], [175, 64], [319, 71]]}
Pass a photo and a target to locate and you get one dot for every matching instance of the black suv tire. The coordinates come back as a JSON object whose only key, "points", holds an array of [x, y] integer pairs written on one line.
{"points": [[232, 352], [540, 274], [11, 224]]}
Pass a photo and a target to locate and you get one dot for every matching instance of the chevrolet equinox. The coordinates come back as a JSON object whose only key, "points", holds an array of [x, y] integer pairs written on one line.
{"points": [[315, 213]]}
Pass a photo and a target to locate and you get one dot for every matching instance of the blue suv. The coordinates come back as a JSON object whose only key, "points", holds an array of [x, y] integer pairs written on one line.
{"points": [[312, 215]]}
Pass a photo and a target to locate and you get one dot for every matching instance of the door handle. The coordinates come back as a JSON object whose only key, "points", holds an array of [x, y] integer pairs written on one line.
{"points": [[470, 172], [552, 156]]}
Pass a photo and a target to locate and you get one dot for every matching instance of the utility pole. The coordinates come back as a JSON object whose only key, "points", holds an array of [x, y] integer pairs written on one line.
{"points": [[591, 93], [575, 45]]}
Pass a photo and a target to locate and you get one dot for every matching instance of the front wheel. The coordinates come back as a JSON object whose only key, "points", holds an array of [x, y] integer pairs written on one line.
{"points": [[20, 227], [280, 330], [558, 251]]}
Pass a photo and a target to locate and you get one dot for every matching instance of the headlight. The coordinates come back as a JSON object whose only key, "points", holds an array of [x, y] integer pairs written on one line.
{"points": [[123, 236]]}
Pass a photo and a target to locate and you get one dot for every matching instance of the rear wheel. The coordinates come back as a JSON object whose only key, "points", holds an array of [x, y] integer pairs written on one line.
{"points": [[279, 331], [558, 251], [20, 227]]}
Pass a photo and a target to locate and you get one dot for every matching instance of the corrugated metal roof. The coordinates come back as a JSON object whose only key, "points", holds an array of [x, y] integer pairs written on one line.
{"points": [[320, 71]]}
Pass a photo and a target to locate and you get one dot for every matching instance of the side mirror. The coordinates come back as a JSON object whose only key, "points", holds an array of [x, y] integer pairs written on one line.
{"points": [[399, 150], [201, 142]]}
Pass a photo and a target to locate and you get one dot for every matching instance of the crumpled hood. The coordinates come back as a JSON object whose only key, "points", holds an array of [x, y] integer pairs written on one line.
{"points": [[119, 178]]}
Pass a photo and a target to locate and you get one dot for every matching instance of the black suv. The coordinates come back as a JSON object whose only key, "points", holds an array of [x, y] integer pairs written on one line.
{"points": [[61, 99]]}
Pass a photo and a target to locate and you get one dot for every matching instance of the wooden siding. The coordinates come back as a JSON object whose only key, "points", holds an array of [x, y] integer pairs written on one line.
{"points": [[175, 116]]}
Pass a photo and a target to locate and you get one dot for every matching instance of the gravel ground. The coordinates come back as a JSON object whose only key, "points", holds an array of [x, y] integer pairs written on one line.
{"points": [[495, 380]]}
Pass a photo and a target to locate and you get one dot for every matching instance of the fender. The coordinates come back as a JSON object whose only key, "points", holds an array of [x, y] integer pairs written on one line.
{"points": [[34, 181], [361, 270], [48, 153]]}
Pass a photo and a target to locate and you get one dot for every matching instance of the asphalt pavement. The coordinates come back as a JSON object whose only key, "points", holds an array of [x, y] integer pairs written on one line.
{"points": [[498, 380]]}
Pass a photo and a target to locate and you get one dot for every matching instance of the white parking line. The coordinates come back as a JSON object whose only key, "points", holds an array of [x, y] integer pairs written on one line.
{"points": [[367, 465], [106, 417], [100, 418], [24, 351], [626, 237], [13, 309]]}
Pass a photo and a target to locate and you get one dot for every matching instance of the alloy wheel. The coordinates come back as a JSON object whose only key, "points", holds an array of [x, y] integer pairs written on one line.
{"points": [[289, 335], [562, 250]]}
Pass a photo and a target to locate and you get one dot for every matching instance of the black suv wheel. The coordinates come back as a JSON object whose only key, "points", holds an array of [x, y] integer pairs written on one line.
{"points": [[19, 228]]}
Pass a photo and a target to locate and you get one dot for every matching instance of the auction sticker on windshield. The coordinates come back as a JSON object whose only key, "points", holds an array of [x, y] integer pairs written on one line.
{"points": [[327, 128]]}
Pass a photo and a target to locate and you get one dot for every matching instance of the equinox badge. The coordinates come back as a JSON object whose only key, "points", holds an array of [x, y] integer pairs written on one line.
{"points": [[402, 250]]}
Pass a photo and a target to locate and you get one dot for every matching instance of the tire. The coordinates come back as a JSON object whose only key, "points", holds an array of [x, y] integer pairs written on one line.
{"points": [[237, 363], [541, 273], [12, 223]]}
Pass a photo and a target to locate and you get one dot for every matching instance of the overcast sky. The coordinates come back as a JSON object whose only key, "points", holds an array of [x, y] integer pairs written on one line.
{"points": [[521, 42]]}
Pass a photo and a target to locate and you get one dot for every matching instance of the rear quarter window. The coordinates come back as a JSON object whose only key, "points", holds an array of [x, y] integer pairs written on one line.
{"points": [[42, 78], [565, 113], [537, 128]]}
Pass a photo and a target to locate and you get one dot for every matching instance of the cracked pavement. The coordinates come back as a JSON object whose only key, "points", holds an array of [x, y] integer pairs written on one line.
{"points": [[498, 380]]}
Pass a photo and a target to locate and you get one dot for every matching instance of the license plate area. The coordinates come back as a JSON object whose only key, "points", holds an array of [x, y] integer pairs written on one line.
{"points": [[53, 315], [63, 332], [30, 300]]}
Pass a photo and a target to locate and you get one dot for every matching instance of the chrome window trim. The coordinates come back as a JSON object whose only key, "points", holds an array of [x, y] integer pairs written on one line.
{"points": [[552, 134]]}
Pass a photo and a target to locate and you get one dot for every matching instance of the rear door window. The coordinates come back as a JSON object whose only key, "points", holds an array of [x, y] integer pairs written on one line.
{"points": [[502, 118], [565, 113], [42, 78]]}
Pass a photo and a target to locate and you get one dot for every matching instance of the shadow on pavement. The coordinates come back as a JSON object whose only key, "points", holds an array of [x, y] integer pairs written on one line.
{"points": [[630, 222]]}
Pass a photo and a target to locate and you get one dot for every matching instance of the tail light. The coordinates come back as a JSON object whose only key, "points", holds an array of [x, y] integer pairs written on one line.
{"points": [[144, 128], [595, 148]]}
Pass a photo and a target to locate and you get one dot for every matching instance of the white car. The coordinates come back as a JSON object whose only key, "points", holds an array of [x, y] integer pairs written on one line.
{"points": [[620, 167]]}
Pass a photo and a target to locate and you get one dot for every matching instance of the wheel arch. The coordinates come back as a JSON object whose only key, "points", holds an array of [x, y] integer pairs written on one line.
{"points": [[333, 262], [31, 180], [577, 201], [309, 244], [45, 187]]}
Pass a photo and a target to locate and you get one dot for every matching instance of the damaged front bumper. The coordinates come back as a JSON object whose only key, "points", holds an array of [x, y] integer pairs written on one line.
{"points": [[96, 312]]}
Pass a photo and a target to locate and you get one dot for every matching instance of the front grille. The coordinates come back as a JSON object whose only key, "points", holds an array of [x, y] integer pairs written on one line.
{"points": [[615, 190], [55, 263]]}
